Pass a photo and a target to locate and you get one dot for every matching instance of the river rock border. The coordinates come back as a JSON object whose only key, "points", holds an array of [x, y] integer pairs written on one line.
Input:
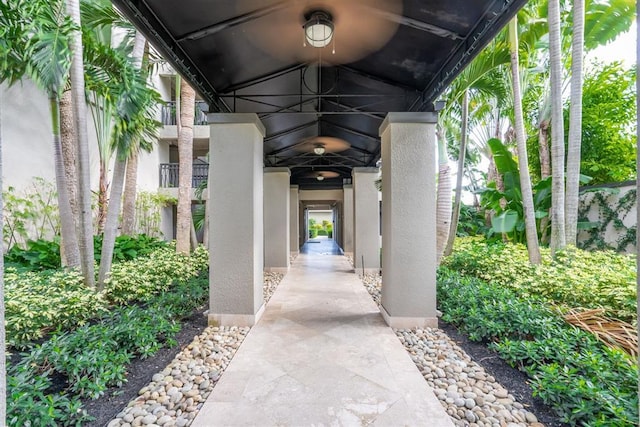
{"points": [[470, 396], [175, 395]]}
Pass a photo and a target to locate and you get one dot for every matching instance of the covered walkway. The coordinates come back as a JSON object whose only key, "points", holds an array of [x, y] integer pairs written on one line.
{"points": [[321, 355]]}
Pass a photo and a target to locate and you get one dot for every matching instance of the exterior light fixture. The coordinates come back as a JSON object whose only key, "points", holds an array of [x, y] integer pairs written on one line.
{"points": [[319, 149], [320, 178], [318, 30]]}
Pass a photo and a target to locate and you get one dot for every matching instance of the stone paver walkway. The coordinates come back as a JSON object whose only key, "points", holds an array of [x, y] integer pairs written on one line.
{"points": [[321, 356]]}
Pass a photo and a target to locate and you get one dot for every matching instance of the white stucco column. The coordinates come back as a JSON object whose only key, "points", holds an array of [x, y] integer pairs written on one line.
{"points": [[294, 220], [276, 219], [236, 219], [366, 220], [347, 224], [409, 219]]}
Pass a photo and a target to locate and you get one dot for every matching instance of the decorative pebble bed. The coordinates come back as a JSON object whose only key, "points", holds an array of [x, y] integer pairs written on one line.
{"points": [[470, 396], [175, 395]]}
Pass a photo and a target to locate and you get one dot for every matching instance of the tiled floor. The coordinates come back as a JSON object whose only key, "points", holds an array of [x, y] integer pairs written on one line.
{"points": [[321, 356]]}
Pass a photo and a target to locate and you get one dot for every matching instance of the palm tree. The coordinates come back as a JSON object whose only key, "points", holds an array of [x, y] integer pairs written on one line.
{"points": [[36, 44], [464, 135], [557, 129], [523, 162], [484, 78], [131, 174], [575, 125], [118, 79], [185, 155], [84, 180]]}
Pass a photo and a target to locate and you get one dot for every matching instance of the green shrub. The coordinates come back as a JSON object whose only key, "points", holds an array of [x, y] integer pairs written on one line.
{"points": [[313, 233], [574, 278], [94, 357], [322, 232], [39, 255], [36, 303], [139, 279], [584, 381], [127, 248]]}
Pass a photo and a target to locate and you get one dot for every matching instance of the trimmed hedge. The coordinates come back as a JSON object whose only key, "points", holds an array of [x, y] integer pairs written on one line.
{"points": [[586, 382], [574, 278]]}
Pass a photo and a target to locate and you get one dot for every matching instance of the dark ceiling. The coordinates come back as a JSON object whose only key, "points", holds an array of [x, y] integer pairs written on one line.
{"points": [[248, 56]]}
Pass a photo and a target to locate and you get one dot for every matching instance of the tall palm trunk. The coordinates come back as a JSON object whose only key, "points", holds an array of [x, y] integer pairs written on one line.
{"points": [[130, 193], [557, 130], [543, 147], [69, 154], [185, 155], [523, 162], [69, 151], [131, 181], [84, 181], [461, 156], [575, 125], [111, 223], [443, 203], [67, 226]]}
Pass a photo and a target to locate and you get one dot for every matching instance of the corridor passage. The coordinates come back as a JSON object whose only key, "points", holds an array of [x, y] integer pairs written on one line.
{"points": [[321, 356]]}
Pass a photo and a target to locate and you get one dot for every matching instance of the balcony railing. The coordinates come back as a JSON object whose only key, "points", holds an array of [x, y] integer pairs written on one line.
{"points": [[169, 113], [169, 174]]}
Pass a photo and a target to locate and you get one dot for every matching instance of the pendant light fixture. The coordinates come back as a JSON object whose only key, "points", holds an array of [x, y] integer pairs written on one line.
{"points": [[318, 29]]}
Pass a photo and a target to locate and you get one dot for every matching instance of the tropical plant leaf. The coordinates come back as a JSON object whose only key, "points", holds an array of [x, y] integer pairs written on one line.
{"points": [[505, 222]]}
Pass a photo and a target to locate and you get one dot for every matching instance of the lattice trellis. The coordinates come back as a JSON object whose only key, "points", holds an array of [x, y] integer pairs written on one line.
{"points": [[612, 212]]}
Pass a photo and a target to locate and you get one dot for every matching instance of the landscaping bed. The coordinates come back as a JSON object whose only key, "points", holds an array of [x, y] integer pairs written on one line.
{"points": [[517, 310], [93, 337]]}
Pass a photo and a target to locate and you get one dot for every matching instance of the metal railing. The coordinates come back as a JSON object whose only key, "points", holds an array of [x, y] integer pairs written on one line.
{"points": [[168, 113], [170, 172]]}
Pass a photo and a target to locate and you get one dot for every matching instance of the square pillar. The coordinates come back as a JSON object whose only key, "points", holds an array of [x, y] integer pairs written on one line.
{"points": [[236, 219], [294, 221], [347, 224], [366, 220], [409, 219], [276, 219]]}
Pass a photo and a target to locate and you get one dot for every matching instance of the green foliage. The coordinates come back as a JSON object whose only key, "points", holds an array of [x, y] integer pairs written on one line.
{"points": [[584, 381], [36, 303], [44, 254], [507, 205], [143, 277], [94, 357], [471, 222], [608, 124], [31, 214], [574, 278], [29, 404], [148, 212], [127, 248], [322, 232], [38, 255]]}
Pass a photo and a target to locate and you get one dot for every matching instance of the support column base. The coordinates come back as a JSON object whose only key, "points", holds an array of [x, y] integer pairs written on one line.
{"points": [[398, 322], [241, 320], [358, 270], [283, 270]]}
